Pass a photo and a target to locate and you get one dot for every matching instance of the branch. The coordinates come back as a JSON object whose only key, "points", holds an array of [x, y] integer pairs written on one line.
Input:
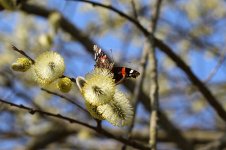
{"points": [[33, 111], [211, 99], [109, 7], [134, 9], [218, 144], [154, 80], [216, 68], [70, 120], [23, 53], [67, 99], [137, 90]]}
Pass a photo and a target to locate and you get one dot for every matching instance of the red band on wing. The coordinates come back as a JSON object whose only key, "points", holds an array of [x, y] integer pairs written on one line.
{"points": [[123, 71]]}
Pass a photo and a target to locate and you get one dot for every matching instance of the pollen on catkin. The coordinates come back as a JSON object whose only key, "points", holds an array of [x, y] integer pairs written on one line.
{"points": [[48, 67], [93, 111], [64, 84], [99, 87], [119, 111], [22, 64]]}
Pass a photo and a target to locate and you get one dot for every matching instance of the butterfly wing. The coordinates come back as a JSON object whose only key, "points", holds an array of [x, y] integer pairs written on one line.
{"points": [[121, 73], [102, 60]]}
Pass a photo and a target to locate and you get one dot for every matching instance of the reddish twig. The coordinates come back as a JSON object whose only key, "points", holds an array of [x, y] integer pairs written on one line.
{"points": [[22, 53]]}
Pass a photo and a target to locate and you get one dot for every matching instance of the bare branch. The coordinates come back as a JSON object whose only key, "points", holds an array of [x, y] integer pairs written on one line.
{"points": [[71, 120], [137, 90], [154, 79], [33, 111], [216, 68], [131, 19], [67, 99], [22, 53], [134, 9], [216, 145]]}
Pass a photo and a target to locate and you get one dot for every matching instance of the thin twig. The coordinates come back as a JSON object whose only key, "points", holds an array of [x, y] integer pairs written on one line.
{"points": [[23, 53], [216, 68], [67, 99], [33, 111], [137, 90], [71, 120], [134, 9], [124, 15], [218, 144], [154, 80]]}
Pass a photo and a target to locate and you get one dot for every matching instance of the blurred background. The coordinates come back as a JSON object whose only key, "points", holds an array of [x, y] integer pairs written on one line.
{"points": [[194, 29]]}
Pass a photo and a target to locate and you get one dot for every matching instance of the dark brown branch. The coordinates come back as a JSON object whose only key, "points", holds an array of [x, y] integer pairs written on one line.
{"points": [[66, 25], [33, 111], [67, 99], [134, 9], [131, 19], [71, 120], [22, 53], [194, 79]]}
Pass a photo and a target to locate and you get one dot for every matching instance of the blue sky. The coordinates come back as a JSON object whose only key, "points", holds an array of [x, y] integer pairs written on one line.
{"points": [[201, 64]]}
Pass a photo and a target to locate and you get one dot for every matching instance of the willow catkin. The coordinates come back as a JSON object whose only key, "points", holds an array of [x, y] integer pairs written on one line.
{"points": [[48, 67], [99, 87]]}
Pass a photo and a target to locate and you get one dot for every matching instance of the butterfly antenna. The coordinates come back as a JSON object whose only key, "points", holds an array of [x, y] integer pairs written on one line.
{"points": [[112, 57]]}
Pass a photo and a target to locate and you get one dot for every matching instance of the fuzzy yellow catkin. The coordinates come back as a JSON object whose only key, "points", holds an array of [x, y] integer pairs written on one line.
{"points": [[80, 81], [119, 111], [48, 67], [93, 111], [22, 64], [64, 84], [99, 87]]}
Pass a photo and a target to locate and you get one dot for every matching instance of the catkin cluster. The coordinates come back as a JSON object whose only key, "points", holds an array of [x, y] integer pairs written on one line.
{"points": [[48, 67], [103, 100]]}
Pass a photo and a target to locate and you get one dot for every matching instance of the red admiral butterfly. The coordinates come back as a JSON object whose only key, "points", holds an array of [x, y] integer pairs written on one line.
{"points": [[120, 73]]}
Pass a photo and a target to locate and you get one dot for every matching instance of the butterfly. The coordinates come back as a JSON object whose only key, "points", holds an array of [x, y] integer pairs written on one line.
{"points": [[120, 73]]}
